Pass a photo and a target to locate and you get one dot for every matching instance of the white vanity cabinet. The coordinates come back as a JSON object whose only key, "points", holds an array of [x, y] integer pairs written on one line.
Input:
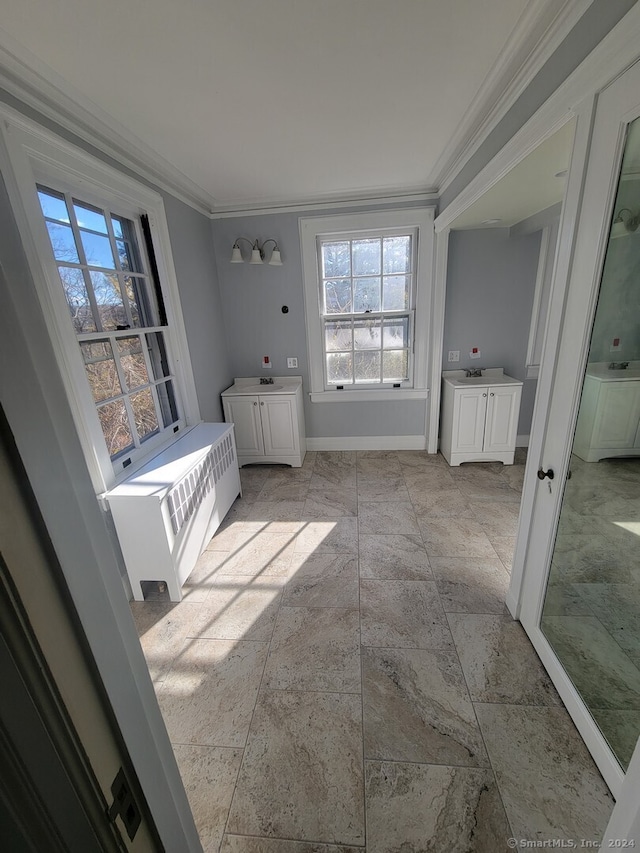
{"points": [[609, 418], [268, 420], [479, 416]]}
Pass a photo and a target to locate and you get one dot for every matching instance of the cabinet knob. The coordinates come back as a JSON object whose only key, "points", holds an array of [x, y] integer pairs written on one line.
{"points": [[492, 394], [484, 395], [255, 404], [261, 403]]}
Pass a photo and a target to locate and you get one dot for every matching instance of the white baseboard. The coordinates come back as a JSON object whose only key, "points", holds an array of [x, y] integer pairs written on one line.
{"points": [[368, 442], [522, 441]]}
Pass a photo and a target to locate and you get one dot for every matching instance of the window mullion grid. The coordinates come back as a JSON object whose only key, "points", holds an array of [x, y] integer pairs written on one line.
{"points": [[119, 271], [125, 387], [153, 382], [84, 266]]}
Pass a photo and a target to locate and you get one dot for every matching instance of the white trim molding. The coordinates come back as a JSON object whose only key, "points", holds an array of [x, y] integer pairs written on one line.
{"points": [[539, 31], [419, 218], [367, 396], [368, 442], [31, 154]]}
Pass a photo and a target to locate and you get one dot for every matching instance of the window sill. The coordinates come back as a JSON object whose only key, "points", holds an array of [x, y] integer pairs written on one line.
{"points": [[352, 396]]}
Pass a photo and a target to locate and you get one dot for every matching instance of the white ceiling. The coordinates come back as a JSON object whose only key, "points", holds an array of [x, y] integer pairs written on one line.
{"points": [[257, 102]]}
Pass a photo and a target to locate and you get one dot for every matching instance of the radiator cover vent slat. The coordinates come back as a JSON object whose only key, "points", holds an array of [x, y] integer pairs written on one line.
{"points": [[187, 495]]}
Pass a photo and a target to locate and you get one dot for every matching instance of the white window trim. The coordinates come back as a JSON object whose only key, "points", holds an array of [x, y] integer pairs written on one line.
{"points": [[30, 154], [419, 218]]}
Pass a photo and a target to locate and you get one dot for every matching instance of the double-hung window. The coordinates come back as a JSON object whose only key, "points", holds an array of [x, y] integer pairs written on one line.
{"points": [[97, 243], [118, 316], [367, 283], [367, 305]]}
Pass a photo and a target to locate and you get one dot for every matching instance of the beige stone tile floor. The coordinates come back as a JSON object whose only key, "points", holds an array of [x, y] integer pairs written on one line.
{"points": [[342, 674]]}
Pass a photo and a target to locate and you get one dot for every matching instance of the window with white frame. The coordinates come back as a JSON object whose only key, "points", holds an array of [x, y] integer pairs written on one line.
{"points": [[118, 316], [97, 244], [367, 303], [367, 291]]}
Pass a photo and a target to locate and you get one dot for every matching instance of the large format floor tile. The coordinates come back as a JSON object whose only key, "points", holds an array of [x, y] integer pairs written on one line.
{"points": [[549, 784], [209, 774], [469, 585], [403, 614], [302, 776], [347, 624], [413, 808], [315, 649], [394, 557], [417, 708], [499, 662], [323, 580], [208, 696]]}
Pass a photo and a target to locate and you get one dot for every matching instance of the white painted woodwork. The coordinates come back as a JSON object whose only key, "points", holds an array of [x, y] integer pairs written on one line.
{"points": [[244, 414], [608, 423], [479, 417], [155, 546], [269, 425]]}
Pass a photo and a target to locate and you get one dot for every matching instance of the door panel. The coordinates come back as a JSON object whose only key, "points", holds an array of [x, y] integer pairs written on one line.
{"points": [[580, 600], [244, 414], [279, 426], [468, 420], [503, 406]]}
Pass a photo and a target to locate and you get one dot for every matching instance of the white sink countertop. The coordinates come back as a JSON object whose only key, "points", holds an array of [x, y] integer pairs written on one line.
{"points": [[250, 385], [601, 370], [490, 376]]}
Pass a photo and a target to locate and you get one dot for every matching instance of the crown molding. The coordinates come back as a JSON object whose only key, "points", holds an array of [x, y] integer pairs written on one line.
{"points": [[36, 85], [343, 200], [539, 31]]}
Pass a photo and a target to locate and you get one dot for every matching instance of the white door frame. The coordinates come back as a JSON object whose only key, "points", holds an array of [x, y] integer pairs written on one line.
{"points": [[601, 181], [616, 52], [576, 97]]}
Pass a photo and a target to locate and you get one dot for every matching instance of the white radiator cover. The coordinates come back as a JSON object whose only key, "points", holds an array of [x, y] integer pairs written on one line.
{"points": [[167, 511]]}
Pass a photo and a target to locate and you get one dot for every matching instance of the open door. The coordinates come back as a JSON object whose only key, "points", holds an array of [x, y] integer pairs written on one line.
{"points": [[581, 591]]}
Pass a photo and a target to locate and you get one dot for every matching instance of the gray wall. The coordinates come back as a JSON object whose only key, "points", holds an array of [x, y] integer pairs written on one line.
{"points": [[490, 287], [252, 300], [593, 26], [195, 265]]}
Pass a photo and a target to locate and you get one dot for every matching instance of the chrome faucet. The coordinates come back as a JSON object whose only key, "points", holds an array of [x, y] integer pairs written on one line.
{"points": [[473, 371], [266, 380]]}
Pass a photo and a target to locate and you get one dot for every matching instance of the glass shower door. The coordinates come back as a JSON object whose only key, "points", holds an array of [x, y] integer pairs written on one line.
{"points": [[591, 610]]}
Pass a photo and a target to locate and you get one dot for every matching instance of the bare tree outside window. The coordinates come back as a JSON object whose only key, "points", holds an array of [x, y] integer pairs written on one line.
{"points": [[367, 290], [114, 312]]}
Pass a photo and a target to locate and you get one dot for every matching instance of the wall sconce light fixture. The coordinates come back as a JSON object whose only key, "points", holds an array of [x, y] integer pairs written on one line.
{"points": [[625, 222], [257, 252]]}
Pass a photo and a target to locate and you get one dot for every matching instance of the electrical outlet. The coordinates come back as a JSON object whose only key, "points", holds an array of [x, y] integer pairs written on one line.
{"points": [[266, 362], [292, 362], [616, 346], [454, 355], [475, 353]]}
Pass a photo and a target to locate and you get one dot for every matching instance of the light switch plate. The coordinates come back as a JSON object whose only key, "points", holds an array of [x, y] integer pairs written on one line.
{"points": [[454, 355], [292, 362]]}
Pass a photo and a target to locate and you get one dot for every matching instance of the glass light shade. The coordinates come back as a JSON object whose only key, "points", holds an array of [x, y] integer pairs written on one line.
{"points": [[276, 260], [256, 257], [236, 255]]}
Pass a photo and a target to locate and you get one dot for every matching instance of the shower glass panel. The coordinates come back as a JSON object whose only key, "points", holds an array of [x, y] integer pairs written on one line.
{"points": [[591, 611]]}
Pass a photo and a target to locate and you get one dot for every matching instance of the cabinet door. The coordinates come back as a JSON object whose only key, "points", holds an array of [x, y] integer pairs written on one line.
{"points": [[617, 413], [279, 425], [469, 409], [244, 413], [503, 408]]}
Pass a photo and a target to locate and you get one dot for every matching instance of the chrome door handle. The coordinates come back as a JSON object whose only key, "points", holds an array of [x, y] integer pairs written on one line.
{"points": [[542, 474]]}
